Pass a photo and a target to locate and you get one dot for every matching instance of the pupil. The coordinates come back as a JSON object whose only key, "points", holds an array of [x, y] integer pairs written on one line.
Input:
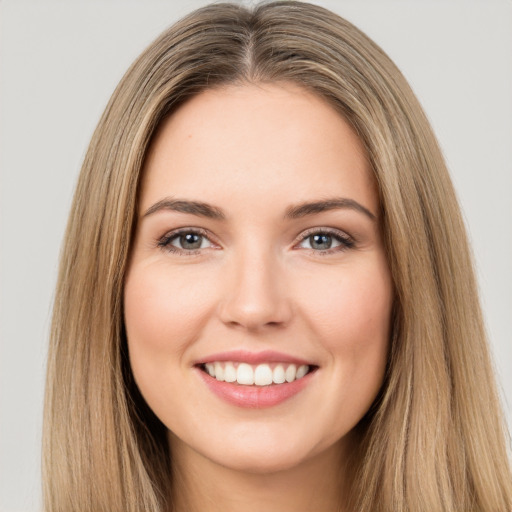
{"points": [[191, 241], [321, 241]]}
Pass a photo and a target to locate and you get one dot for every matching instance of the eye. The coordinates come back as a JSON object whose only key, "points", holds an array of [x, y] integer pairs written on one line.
{"points": [[325, 241], [185, 241]]}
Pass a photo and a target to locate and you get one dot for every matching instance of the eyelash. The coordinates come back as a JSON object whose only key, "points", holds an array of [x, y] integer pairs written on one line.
{"points": [[346, 242], [165, 242]]}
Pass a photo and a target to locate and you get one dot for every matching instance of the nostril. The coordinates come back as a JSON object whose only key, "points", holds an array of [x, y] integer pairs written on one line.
{"points": [[255, 299]]}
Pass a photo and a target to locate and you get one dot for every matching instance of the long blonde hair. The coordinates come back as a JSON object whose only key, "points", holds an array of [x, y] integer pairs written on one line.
{"points": [[435, 438]]}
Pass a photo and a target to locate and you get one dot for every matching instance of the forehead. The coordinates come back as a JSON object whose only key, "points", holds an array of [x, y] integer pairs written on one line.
{"points": [[278, 142]]}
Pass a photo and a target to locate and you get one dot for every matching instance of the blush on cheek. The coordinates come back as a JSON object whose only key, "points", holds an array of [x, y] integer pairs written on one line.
{"points": [[357, 334], [152, 306]]}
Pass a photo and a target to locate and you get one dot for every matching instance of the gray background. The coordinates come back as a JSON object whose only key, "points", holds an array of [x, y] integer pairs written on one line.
{"points": [[60, 61]]}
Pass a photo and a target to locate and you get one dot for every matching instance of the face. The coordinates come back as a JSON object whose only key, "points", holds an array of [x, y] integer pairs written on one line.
{"points": [[258, 296]]}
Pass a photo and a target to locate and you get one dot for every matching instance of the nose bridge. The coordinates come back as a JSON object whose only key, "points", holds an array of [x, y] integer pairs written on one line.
{"points": [[255, 294]]}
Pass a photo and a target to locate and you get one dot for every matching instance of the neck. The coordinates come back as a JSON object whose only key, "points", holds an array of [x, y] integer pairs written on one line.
{"points": [[199, 484]]}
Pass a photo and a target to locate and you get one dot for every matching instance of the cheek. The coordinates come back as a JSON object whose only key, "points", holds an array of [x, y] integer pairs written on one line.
{"points": [[162, 308], [164, 311], [353, 309], [352, 320]]}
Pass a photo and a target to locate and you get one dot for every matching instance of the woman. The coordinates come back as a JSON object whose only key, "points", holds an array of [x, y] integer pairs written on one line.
{"points": [[265, 295]]}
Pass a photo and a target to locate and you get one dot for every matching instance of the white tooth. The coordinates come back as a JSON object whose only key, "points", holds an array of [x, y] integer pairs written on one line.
{"points": [[210, 369], [278, 376], [301, 371], [245, 374], [229, 372], [219, 372], [290, 373], [263, 375]]}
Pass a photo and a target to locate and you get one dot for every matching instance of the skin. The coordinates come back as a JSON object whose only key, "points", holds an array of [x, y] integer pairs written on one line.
{"points": [[257, 283]]}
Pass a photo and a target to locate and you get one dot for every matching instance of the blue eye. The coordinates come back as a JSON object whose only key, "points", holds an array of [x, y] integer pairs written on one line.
{"points": [[191, 241], [186, 241], [321, 241]]}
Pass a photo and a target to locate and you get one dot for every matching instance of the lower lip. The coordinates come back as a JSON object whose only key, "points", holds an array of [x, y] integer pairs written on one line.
{"points": [[254, 397]]}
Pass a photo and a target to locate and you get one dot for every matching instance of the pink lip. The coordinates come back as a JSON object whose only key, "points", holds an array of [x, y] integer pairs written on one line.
{"points": [[254, 397], [244, 356]]}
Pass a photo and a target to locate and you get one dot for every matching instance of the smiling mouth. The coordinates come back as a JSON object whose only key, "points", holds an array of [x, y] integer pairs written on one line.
{"points": [[264, 374]]}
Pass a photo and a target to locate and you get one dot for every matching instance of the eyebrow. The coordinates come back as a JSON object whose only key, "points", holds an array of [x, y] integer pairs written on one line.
{"points": [[194, 207], [293, 212], [310, 208]]}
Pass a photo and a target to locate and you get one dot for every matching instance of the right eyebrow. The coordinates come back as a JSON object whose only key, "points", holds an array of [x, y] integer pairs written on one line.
{"points": [[193, 207], [311, 208]]}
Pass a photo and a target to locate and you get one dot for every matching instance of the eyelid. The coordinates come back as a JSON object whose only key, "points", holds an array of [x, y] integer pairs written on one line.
{"points": [[164, 242], [347, 241]]}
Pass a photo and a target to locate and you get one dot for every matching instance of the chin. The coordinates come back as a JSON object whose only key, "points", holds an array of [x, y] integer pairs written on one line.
{"points": [[269, 451], [260, 461]]}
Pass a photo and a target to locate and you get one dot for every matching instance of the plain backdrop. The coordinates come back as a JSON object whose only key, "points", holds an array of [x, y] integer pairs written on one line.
{"points": [[60, 61]]}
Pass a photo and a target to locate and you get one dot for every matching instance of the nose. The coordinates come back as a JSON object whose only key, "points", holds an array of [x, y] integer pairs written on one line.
{"points": [[254, 294]]}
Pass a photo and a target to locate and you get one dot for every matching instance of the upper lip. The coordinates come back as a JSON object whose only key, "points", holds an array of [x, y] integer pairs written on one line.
{"points": [[245, 356]]}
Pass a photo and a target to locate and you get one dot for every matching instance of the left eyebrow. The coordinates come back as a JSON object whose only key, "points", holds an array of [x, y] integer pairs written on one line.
{"points": [[183, 206], [311, 208]]}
